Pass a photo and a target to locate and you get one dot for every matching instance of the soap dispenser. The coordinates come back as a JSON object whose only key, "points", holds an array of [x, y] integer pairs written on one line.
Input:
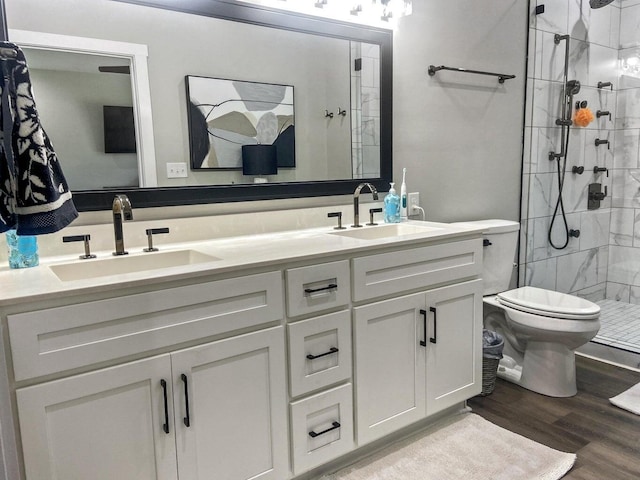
{"points": [[392, 206]]}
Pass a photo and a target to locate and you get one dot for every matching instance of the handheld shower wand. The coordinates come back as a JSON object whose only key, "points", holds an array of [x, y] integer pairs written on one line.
{"points": [[569, 89]]}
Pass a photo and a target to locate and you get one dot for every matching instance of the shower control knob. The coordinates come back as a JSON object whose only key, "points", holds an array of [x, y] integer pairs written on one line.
{"points": [[601, 169], [574, 233], [578, 170]]}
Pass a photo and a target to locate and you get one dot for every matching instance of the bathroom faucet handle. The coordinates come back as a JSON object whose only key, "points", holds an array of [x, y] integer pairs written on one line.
{"points": [[81, 238], [150, 233], [339, 215], [371, 212]]}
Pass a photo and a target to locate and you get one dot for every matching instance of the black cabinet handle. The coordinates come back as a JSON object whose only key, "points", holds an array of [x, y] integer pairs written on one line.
{"points": [[434, 339], [331, 286], [313, 434], [165, 426], [187, 419], [423, 343], [331, 350]]}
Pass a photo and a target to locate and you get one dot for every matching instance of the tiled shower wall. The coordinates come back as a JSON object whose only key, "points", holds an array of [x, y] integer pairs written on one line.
{"points": [[623, 280], [581, 267], [365, 110]]}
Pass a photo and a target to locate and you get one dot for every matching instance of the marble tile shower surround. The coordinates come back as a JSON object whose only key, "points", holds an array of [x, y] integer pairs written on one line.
{"points": [[604, 262], [365, 121]]}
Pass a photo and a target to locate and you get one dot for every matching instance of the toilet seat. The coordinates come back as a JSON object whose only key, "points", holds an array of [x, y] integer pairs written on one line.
{"points": [[548, 303]]}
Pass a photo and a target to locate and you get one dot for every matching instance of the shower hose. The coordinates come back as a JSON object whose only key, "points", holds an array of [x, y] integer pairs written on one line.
{"points": [[559, 204]]}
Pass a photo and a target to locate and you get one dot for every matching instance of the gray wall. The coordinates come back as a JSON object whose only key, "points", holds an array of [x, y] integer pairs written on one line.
{"points": [[460, 135]]}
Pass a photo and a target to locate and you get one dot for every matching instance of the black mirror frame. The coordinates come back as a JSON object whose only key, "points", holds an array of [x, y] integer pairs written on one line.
{"points": [[95, 200]]}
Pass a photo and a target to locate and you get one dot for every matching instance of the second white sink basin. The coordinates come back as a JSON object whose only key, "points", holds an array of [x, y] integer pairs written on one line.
{"points": [[86, 269], [385, 231]]}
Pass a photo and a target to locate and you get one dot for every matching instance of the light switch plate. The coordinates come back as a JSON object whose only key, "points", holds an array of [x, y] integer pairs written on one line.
{"points": [[177, 170]]}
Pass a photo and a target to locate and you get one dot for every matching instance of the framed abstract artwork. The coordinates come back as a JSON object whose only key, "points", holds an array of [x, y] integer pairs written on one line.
{"points": [[226, 114]]}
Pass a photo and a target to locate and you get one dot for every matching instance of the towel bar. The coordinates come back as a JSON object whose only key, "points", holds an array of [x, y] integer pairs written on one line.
{"points": [[501, 76]]}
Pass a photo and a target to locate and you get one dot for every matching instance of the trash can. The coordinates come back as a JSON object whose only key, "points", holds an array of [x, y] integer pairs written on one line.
{"points": [[492, 345]]}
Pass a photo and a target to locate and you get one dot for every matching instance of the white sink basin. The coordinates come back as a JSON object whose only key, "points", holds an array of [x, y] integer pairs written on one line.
{"points": [[385, 231], [92, 268]]}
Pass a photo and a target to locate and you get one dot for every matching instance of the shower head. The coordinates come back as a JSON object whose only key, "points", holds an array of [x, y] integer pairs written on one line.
{"points": [[573, 87], [599, 3]]}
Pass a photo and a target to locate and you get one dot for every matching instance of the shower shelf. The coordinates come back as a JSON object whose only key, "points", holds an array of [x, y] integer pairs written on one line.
{"points": [[501, 76]]}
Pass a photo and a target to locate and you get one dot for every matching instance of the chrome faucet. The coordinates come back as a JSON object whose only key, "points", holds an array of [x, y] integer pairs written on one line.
{"points": [[121, 212], [356, 201]]}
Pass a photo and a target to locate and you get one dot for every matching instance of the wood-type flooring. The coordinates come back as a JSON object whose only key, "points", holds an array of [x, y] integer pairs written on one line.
{"points": [[605, 438]]}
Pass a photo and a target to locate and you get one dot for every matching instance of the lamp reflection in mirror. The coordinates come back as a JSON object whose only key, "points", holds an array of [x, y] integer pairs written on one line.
{"points": [[259, 160]]}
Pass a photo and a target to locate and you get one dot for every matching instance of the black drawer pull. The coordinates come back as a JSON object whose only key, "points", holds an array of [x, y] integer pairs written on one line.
{"points": [[313, 434], [331, 350], [187, 419], [434, 339], [331, 286], [423, 343], [165, 426]]}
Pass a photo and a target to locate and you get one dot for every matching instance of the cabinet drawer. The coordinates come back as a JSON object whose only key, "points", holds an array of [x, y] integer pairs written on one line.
{"points": [[327, 340], [322, 428], [317, 287], [396, 272], [59, 339]]}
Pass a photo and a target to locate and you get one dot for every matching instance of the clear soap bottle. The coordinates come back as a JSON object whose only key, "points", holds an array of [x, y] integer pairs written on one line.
{"points": [[392, 206]]}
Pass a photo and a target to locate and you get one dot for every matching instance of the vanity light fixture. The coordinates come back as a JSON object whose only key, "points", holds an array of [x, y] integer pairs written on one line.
{"points": [[374, 12]]}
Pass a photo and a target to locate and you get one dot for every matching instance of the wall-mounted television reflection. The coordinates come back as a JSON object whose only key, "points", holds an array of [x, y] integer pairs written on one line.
{"points": [[119, 129]]}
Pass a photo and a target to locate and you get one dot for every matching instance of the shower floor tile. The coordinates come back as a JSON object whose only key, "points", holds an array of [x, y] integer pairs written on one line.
{"points": [[619, 325]]}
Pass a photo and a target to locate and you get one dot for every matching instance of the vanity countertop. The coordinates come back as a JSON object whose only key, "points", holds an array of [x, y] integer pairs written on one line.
{"points": [[232, 254]]}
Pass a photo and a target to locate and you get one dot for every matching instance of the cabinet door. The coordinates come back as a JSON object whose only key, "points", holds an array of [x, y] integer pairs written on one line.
{"points": [[101, 425], [454, 344], [390, 366], [230, 399]]}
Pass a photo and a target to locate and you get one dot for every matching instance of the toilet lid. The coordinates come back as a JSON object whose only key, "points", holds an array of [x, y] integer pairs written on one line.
{"points": [[549, 303]]}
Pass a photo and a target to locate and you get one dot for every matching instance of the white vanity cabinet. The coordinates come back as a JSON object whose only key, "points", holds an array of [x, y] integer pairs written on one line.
{"points": [[320, 360], [246, 374], [418, 354], [209, 405], [101, 425], [182, 414]]}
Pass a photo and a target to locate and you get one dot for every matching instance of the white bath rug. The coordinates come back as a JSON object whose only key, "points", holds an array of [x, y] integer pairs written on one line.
{"points": [[629, 399], [464, 447]]}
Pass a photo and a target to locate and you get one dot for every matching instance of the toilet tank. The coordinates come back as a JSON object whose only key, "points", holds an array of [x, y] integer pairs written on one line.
{"points": [[499, 253]]}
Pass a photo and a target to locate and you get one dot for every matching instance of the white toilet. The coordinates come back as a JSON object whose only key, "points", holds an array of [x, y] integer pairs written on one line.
{"points": [[541, 328]]}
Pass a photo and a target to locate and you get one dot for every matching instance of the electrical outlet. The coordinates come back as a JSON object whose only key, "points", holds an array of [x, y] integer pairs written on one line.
{"points": [[414, 201], [177, 170]]}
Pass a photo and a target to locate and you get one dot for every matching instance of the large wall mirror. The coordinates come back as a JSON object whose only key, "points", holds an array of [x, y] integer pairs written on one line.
{"points": [[123, 66]]}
